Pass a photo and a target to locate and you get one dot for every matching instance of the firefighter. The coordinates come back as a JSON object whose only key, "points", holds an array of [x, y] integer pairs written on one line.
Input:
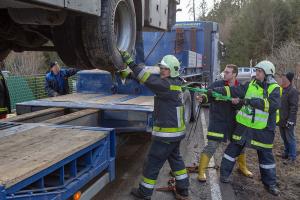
{"points": [[221, 124], [168, 128], [4, 98], [256, 122], [57, 80]]}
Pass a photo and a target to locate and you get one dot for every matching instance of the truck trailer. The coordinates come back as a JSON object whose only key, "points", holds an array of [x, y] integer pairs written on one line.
{"points": [[86, 34]]}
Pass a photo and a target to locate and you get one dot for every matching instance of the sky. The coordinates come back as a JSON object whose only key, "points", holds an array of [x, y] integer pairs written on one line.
{"points": [[184, 15]]}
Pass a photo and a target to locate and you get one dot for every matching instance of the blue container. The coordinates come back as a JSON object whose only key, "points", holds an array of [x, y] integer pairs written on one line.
{"points": [[94, 81], [187, 58], [193, 43]]}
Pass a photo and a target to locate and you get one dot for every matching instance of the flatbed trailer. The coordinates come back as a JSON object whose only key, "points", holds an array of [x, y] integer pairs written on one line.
{"points": [[124, 113], [51, 124], [40, 161]]}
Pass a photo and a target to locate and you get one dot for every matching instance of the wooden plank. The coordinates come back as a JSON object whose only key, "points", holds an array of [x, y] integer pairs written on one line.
{"points": [[72, 97], [36, 114], [107, 99], [27, 153], [71, 116], [141, 100], [88, 98]]}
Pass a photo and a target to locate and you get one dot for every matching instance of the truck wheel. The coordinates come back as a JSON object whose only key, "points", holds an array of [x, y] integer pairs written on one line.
{"points": [[114, 29], [187, 103], [195, 106], [68, 43]]}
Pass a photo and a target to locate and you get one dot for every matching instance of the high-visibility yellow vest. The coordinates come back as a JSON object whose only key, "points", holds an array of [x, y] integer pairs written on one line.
{"points": [[252, 117]]}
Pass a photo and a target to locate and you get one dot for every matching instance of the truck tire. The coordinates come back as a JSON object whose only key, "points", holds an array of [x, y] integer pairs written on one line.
{"points": [[187, 103], [68, 43], [195, 106], [114, 29]]}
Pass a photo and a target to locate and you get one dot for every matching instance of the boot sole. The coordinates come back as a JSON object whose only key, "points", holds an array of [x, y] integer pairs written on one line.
{"points": [[202, 180], [272, 193]]}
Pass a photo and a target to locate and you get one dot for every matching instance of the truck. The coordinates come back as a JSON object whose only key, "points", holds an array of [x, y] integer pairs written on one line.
{"points": [[86, 34], [246, 74], [104, 106]]}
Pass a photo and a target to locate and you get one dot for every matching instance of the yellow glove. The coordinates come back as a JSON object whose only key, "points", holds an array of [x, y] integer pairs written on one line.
{"points": [[125, 73]]}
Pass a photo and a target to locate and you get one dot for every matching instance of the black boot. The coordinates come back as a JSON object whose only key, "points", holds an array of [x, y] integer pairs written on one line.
{"points": [[138, 194], [272, 189], [182, 194]]}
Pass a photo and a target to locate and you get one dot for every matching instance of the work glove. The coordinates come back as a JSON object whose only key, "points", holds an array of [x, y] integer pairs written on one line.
{"points": [[201, 98], [125, 73], [245, 102], [289, 124], [127, 59]]}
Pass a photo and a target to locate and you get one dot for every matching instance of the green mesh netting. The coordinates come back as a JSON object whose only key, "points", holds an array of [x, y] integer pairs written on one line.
{"points": [[19, 90], [27, 88]]}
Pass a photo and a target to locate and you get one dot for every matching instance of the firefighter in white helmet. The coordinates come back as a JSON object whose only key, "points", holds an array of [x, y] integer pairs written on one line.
{"points": [[168, 128]]}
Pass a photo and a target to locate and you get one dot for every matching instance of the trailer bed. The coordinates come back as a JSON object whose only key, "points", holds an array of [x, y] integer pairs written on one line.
{"points": [[23, 155], [123, 112], [99, 101], [40, 161]]}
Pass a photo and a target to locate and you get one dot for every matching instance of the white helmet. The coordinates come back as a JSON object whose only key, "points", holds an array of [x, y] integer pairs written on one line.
{"points": [[267, 66], [172, 63]]}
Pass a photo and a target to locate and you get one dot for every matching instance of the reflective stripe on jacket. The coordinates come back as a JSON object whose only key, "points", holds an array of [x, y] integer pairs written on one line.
{"points": [[221, 115], [257, 129], [254, 117], [169, 124]]}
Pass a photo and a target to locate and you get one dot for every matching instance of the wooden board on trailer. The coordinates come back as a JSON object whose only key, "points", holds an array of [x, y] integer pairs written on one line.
{"points": [[140, 100], [71, 116], [29, 152], [32, 115], [108, 99], [87, 98], [72, 97]]}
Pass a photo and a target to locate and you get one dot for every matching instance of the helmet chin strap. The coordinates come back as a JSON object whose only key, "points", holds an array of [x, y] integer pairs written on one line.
{"points": [[270, 79]]}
